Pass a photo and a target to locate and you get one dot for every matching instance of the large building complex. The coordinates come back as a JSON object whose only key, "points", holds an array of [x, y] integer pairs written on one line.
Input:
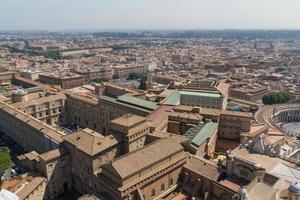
{"points": [[64, 81], [47, 109], [207, 94], [150, 116], [123, 71]]}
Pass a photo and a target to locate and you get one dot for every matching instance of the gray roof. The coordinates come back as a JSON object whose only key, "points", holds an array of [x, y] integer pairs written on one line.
{"points": [[126, 98], [125, 104], [201, 133]]}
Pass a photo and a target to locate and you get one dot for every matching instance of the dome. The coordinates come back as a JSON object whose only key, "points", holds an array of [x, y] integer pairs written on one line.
{"points": [[20, 92], [294, 187], [242, 192], [229, 155]]}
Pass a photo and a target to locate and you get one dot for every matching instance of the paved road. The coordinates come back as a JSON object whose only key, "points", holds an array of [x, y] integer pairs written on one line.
{"points": [[265, 112], [15, 150]]}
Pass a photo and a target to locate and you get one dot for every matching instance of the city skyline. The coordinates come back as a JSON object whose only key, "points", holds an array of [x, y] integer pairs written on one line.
{"points": [[105, 15]]}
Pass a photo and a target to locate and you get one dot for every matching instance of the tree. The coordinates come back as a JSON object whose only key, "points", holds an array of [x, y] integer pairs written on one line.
{"points": [[27, 45], [5, 159], [277, 97], [3, 89], [100, 80], [134, 76], [143, 84]]}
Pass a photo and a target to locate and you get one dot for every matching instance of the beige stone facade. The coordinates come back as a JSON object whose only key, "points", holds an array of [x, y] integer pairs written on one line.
{"points": [[231, 126], [248, 94], [63, 82], [97, 114], [147, 178], [6, 77], [55, 166], [132, 130], [47, 109], [28, 131], [124, 71]]}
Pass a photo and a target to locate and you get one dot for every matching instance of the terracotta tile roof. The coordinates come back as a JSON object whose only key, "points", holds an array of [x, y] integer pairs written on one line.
{"points": [[53, 154], [31, 186], [128, 120], [90, 142], [133, 162], [39, 101], [193, 116], [203, 167], [83, 97], [42, 128], [229, 184], [10, 184]]}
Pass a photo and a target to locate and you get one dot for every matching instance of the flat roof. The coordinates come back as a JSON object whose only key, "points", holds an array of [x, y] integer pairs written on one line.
{"points": [[202, 94], [235, 113], [174, 97]]}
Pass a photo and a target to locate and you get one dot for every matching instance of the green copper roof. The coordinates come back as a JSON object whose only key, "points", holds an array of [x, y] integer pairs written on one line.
{"points": [[202, 133], [137, 102], [173, 99], [126, 104]]}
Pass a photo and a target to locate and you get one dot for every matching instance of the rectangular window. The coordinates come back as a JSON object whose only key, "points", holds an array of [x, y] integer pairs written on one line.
{"points": [[50, 166], [171, 182], [152, 192]]}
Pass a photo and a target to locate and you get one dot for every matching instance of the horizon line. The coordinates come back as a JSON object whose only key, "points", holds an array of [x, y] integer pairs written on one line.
{"points": [[146, 29]]}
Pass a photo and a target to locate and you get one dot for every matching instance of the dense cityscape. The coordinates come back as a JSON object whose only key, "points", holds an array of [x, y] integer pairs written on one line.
{"points": [[140, 115]]}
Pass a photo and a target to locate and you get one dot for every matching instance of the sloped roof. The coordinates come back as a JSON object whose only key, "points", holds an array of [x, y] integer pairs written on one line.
{"points": [[90, 142], [138, 160], [53, 154], [39, 101], [42, 128], [202, 167], [126, 98], [128, 120], [203, 133], [125, 104], [30, 187]]}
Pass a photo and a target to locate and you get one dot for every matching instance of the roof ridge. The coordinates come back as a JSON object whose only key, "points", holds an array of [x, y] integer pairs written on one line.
{"points": [[144, 147]]}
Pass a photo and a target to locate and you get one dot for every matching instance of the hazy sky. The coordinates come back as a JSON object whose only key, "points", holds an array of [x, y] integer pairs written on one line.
{"points": [[148, 14]]}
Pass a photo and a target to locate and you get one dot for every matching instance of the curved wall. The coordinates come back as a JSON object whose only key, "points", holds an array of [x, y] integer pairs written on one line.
{"points": [[284, 115]]}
